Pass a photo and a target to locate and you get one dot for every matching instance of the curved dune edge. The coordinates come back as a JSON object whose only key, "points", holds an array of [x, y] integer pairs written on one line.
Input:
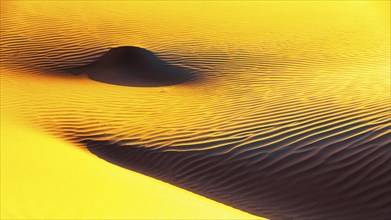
{"points": [[45, 178]]}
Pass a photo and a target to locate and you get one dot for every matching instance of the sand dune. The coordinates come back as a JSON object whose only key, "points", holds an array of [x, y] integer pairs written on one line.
{"points": [[281, 110], [45, 178]]}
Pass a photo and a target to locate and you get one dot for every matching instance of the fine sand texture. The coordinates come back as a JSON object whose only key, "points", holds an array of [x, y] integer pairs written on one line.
{"points": [[278, 110]]}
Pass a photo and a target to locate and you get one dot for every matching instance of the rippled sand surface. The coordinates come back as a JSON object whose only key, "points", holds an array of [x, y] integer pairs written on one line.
{"points": [[288, 116]]}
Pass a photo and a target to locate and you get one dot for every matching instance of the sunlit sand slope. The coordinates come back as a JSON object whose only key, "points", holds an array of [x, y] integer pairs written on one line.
{"points": [[45, 178], [286, 115]]}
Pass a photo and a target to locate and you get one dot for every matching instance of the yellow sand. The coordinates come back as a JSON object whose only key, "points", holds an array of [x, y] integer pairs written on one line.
{"points": [[43, 177], [311, 51]]}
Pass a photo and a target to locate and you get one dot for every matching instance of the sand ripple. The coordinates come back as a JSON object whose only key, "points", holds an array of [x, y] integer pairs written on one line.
{"points": [[290, 119]]}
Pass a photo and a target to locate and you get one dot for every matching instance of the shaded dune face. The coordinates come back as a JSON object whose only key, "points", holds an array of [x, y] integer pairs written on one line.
{"points": [[334, 178], [134, 66], [291, 119]]}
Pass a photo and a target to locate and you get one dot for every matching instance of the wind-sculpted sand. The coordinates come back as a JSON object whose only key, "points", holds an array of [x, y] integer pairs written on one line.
{"points": [[281, 110]]}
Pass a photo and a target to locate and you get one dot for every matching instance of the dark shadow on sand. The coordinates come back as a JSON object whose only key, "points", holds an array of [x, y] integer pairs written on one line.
{"points": [[352, 183], [134, 66]]}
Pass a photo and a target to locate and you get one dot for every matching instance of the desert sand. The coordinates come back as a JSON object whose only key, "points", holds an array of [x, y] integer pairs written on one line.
{"points": [[195, 110]]}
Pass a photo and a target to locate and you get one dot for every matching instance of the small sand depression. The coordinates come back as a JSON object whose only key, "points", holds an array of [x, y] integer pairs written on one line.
{"points": [[134, 66]]}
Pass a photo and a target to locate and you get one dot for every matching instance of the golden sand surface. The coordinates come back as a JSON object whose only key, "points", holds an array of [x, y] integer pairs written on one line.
{"points": [[276, 73], [46, 178]]}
